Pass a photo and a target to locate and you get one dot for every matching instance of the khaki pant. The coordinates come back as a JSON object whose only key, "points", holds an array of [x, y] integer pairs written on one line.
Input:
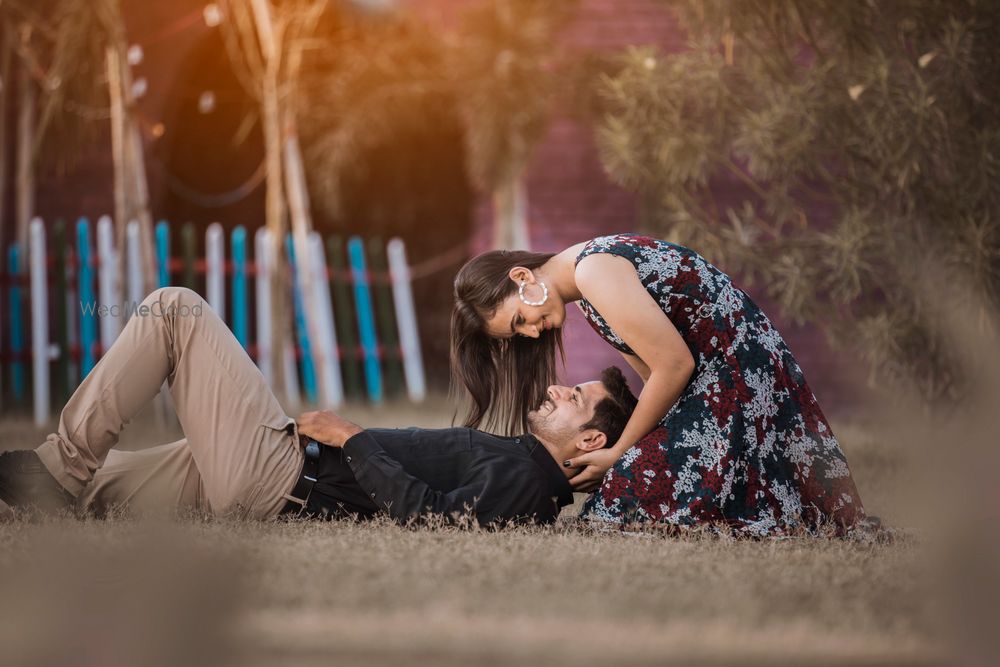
{"points": [[241, 452]]}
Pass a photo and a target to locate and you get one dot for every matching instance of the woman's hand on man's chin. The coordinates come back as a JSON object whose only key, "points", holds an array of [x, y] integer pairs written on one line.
{"points": [[594, 465]]}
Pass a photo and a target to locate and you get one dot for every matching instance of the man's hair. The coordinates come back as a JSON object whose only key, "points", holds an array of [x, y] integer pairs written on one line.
{"points": [[612, 413]]}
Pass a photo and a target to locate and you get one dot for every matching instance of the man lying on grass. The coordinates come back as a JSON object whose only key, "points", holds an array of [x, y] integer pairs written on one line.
{"points": [[243, 455]]}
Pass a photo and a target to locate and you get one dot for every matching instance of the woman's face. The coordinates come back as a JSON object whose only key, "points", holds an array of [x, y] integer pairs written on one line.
{"points": [[514, 317]]}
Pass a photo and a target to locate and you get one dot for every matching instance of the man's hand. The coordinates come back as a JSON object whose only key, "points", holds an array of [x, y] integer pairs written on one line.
{"points": [[327, 427]]}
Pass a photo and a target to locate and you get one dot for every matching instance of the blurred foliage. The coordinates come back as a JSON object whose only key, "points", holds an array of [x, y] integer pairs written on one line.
{"points": [[864, 140], [503, 65], [61, 44], [380, 75]]}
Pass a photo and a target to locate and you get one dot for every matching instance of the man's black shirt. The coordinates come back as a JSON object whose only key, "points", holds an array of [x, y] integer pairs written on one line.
{"points": [[418, 472]]}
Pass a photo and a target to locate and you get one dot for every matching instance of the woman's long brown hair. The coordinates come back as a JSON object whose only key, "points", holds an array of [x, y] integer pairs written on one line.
{"points": [[504, 377]]}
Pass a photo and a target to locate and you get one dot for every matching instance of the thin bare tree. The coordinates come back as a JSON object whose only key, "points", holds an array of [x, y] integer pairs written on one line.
{"points": [[265, 43], [5, 59], [502, 64], [131, 184], [70, 59]]}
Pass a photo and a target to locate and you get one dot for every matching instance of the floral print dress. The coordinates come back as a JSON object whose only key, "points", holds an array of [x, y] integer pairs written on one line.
{"points": [[746, 444]]}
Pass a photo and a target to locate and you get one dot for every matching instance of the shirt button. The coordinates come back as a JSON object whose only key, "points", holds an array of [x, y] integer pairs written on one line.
{"points": [[373, 495], [348, 459], [517, 440]]}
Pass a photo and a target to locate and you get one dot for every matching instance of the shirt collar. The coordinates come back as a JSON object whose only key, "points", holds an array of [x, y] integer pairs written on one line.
{"points": [[542, 457]]}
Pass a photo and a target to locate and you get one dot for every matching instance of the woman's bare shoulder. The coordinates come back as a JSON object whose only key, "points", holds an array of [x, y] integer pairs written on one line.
{"points": [[575, 249]]}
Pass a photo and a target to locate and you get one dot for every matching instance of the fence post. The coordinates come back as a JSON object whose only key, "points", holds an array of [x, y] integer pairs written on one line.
{"points": [[305, 345], [291, 375], [238, 250], [108, 282], [133, 264], [409, 337], [332, 385], [40, 351], [163, 403], [345, 317], [215, 269], [85, 289], [16, 326], [162, 253], [262, 269], [60, 267], [366, 317], [385, 318]]}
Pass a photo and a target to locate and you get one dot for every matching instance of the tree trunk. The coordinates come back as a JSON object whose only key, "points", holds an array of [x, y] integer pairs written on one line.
{"points": [[135, 154], [298, 201], [131, 186], [275, 205], [275, 220], [25, 163], [5, 56], [510, 215], [119, 159]]}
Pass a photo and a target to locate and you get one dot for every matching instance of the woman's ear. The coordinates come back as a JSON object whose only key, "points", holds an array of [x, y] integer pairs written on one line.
{"points": [[591, 440], [521, 274]]}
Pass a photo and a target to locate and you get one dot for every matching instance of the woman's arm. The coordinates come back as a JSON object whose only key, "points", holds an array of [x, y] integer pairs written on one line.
{"points": [[612, 286], [638, 365]]}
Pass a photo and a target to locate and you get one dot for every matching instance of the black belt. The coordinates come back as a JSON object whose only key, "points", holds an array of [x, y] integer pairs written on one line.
{"points": [[307, 478]]}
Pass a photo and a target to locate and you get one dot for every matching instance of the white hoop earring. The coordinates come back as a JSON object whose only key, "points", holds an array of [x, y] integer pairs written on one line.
{"points": [[545, 294]]}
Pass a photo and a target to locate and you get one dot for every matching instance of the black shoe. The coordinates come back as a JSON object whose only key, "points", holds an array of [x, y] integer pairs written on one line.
{"points": [[26, 483]]}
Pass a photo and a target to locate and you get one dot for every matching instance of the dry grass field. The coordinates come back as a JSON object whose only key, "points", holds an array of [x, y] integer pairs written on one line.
{"points": [[201, 591]]}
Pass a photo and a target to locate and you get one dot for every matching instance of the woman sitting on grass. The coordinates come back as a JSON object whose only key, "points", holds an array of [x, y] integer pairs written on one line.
{"points": [[726, 428]]}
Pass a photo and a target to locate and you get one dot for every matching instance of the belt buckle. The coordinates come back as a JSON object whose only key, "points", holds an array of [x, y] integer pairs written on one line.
{"points": [[310, 464]]}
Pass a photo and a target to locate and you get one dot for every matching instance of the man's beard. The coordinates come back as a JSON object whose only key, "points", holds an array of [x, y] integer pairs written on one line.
{"points": [[536, 420], [541, 426]]}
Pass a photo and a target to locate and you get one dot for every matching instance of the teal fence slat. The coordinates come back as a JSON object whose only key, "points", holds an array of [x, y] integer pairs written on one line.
{"points": [[388, 332], [366, 317], [162, 253], [238, 251], [306, 365], [85, 292], [347, 329], [17, 375], [60, 369]]}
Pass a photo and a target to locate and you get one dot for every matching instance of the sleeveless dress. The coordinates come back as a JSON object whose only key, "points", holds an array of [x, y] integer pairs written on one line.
{"points": [[746, 444]]}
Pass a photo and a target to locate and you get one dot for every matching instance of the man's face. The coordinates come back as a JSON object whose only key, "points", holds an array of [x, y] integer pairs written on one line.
{"points": [[559, 418]]}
